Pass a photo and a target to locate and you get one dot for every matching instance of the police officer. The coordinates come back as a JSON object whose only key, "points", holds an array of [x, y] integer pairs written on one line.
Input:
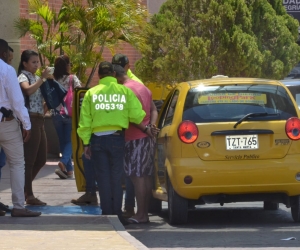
{"points": [[123, 61], [106, 111]]}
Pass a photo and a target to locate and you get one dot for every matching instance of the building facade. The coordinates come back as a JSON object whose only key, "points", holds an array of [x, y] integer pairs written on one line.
{"points": [[16, 8]]}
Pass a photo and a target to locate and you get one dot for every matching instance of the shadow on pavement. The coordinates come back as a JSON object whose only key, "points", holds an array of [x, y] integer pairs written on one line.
{"points": [[55, 223], [220, 227]]}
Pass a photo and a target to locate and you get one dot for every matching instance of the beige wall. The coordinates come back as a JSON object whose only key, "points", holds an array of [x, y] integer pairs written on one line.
{"points": [[8, 13], [154, 5]]}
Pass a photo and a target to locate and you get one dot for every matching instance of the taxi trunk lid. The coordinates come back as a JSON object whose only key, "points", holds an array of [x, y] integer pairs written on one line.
{"points": [[250, 141]]}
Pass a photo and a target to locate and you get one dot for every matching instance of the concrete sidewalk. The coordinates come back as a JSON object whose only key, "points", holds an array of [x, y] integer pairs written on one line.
{"points": [[62, 224]]}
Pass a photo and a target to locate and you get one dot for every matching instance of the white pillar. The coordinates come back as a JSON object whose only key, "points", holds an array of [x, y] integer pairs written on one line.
{"points": [[9, 12]]}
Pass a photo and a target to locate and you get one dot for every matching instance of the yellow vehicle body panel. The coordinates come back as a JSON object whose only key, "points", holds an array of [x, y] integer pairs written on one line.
{"points": [[255, 176]]}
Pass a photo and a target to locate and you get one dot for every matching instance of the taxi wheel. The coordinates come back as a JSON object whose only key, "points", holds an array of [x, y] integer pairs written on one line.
{"points": [[295, 209], [177, 207], [269, 205]]}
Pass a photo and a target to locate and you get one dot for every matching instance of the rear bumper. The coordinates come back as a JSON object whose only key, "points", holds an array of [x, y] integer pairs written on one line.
{"points": [[235, 177]]}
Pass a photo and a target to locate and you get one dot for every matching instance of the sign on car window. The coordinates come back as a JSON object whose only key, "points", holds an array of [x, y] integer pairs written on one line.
{"points": [[253, 98]]}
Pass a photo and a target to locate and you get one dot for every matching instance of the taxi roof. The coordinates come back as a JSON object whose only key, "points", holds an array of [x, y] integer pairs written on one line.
{"points": [[232, 80]]}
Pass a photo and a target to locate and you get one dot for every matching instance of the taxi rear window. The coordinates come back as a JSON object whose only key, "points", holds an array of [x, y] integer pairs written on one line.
{"points": [[232, 102]]}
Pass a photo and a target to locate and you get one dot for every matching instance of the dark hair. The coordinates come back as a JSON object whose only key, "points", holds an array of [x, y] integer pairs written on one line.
{"points": [[25, 56], [61, 66], [11, 49], [105, 69], [120, 71], [3, 48]]}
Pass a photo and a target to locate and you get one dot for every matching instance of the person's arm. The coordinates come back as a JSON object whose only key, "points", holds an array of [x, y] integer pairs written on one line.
{"points": [[153, 118], [154, 113], [76, 82], [30, 89], [16, 99], [136, 114], [84, 130]]}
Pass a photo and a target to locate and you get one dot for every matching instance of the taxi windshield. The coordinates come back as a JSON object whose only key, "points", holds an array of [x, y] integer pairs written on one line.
{"points": [[232, 102]]}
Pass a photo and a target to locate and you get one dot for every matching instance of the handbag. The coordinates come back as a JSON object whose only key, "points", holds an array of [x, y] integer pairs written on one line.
{"points": [[53, 93], [68, 99]]}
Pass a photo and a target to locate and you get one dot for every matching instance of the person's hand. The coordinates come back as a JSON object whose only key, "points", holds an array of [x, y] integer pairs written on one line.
{"points": [[87, 152], [148, 132], [154, 129], [46, 73], [26, 135]]}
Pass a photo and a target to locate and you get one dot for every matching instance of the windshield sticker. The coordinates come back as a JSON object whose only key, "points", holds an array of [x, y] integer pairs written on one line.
{"points": [[253, 98]]}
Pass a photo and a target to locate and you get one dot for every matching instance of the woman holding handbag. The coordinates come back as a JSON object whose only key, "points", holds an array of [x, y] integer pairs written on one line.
{"points": [[62, 116], [35, 149]]}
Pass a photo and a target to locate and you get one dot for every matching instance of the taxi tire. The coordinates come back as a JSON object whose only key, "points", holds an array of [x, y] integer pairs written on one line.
{"points": [[177, 207], [269, 205], [295, 209]]}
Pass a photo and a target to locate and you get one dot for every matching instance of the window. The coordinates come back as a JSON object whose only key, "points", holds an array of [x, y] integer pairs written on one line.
{"points": [[232, 102], [168, 113]]}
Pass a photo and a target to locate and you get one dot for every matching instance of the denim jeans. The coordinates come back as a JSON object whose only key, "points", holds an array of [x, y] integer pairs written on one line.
{"points": [[63, 126], [2, 160], [108, 161], [129, 194], [90, 175]]}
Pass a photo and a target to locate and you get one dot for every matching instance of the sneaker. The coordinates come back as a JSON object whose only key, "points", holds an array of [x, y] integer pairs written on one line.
{"points": [[61, 174], [128, 212], [86, 199], [35, 202], [24, 213], [4, 207], [2, 213]]}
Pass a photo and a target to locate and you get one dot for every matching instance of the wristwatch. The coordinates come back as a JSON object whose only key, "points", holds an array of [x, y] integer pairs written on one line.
{"points": [[145, 130]]}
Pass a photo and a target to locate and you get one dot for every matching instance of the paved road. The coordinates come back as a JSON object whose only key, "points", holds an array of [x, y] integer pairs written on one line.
{"points": [[233, 226]]}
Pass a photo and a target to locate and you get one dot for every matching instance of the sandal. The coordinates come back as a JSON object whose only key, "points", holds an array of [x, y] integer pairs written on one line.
{"points": [[35, 202], [135, 221]]}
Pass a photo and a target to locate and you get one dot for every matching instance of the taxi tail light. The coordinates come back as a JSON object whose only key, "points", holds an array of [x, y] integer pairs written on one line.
{"points": [[187, 132], [292, 128]]}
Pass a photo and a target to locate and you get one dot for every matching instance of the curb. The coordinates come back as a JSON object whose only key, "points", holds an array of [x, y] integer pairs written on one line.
{"points": [[120, 229]]}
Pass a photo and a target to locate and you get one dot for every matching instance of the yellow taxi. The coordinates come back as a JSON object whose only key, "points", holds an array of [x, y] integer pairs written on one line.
{"points": [[227, 140]]}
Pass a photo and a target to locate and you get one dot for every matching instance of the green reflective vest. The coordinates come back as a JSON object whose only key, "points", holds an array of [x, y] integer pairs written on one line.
{"points": [[133, 76], [108, 106]]}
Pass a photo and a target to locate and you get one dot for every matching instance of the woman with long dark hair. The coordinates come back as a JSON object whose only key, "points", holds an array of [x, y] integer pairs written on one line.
{"points": [[62, 121], [35, 150]]}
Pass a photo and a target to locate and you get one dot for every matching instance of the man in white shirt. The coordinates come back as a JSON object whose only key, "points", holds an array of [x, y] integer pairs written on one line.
{"points": [[4, 207], [11, 107]]}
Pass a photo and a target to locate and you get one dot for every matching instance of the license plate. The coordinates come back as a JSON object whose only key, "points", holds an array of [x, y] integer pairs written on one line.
{"points": [[241, 142]]}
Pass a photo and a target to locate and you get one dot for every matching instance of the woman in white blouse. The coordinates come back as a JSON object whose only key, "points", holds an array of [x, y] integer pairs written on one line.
{"points": [[63, 122], [35, 150]]}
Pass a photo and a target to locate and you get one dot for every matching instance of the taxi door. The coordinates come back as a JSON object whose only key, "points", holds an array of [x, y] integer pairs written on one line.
{"points": [[77, 145]]}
